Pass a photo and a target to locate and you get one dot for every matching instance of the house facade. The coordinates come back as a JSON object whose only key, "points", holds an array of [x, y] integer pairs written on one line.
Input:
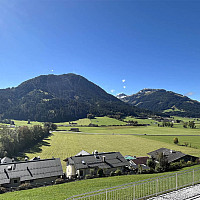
{"points": [[36, 171], [84, 164]]}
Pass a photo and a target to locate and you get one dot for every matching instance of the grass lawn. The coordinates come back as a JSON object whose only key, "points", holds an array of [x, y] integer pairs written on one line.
{"points": [[98, 120], [63, 191], [193, 141], [152, 130], [141, 121], [107, 121]]}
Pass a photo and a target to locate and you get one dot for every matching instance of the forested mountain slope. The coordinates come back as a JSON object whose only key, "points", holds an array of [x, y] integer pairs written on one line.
{"points": [[59, 98], [160, 100]]}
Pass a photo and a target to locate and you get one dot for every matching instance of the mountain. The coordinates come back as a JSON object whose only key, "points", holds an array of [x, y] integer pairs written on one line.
{"points": [[59, 98], [160, 100]]}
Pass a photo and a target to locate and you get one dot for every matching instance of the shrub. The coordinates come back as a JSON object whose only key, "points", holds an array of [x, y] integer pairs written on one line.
{"points": [[112, 173], [158, 168], [118, 172], [59, 181], [189, 163], [100, 172], [175, 140], [25, 186], [2, 190], [88, 176]]}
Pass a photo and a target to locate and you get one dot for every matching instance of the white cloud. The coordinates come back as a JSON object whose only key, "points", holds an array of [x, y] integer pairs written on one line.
{"points": [[112, 90], [123, 80], [124, 87], [189, 94]]}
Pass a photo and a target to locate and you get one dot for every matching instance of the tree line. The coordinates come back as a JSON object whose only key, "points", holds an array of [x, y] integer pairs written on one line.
{"points": [[13, 141]]}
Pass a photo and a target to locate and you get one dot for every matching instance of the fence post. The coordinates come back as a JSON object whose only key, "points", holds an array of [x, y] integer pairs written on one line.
{"points": [[193, 178], [134, 191], [157, 187], [106, 194], [176, 181]]}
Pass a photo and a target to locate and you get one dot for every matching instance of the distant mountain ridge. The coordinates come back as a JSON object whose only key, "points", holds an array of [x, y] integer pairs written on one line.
{"points": [[59, 98], [160, 100]]}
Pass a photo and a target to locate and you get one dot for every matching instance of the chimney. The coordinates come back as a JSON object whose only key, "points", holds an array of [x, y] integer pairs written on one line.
{"points": [[95, 152], [104, 158], [13, 160], [26, 159]]}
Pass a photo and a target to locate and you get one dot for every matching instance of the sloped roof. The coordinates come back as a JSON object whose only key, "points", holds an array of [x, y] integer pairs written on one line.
{"points": [[30, 170], [140, 160], [171, 155], [112, 160]]}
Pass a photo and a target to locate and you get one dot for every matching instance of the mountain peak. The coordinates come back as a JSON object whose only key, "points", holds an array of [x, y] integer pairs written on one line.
{"points": [[121, 95]]}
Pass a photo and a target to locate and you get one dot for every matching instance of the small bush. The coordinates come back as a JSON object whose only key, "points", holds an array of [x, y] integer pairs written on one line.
{"points": [[112, 173], [25, 186], [88, 176], [100, 172], [189, 163], [59, 181], [2, 190], [118, 172]]}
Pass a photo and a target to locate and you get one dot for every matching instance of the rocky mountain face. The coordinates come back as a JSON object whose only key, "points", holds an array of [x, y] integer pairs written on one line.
{"points": [[59, 98], [160, 100]]}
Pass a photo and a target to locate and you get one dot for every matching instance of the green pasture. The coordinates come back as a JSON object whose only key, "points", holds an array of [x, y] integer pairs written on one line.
{"points": [[25, 123], [64, 144], [187, 119], [63, 191], [141, 121], [192, 141], [141, 130], [107, 121]]}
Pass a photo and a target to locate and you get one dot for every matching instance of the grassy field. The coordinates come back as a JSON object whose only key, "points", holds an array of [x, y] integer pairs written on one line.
{"points": [[63, 145], [63, 191], [98, 120], [139, 130], [192, 141], [106, 121], [141, 121]]}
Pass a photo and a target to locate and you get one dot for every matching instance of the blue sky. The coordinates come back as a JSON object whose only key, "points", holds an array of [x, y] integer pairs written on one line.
{"points": [[120, 45]]}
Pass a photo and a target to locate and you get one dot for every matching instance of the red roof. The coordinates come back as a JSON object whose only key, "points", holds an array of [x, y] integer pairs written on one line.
{"points": [[140, 160]]}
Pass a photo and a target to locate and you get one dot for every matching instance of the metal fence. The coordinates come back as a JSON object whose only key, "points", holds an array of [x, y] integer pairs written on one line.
{"points": [[146, 188]]}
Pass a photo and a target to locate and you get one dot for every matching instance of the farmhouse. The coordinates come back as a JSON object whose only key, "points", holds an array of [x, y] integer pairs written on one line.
{"points": [[35, 171], [82, 164], [172, 155]]}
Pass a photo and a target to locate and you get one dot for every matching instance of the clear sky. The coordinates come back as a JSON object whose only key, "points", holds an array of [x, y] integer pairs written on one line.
{"points": [[120, 45]]}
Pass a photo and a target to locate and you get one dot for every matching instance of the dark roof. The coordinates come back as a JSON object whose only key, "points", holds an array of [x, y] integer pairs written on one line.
{"points": [[171, 155], [30, 170], [140, 160], [112, 160]]}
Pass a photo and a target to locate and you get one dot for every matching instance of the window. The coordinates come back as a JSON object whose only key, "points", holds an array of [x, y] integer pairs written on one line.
{"points": [[15, 181]]}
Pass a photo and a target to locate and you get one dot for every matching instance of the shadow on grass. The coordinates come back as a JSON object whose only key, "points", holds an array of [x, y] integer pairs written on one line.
{"points": [[37, 148]]}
